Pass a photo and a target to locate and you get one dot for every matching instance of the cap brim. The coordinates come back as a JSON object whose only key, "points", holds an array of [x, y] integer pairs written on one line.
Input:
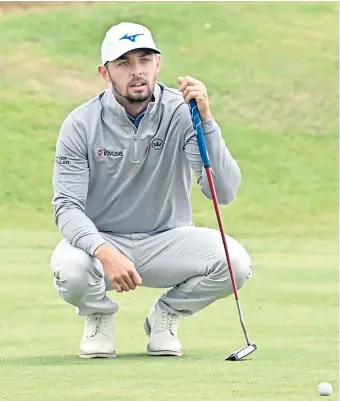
{"points": [[116, 56]]}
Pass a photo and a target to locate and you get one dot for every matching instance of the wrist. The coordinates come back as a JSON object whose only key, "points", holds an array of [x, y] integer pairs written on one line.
{"points": [[106, 252], [206, 116], [103, 251]]}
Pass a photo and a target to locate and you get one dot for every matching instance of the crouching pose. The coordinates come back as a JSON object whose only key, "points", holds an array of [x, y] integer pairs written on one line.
{"points": [[122, 183]]}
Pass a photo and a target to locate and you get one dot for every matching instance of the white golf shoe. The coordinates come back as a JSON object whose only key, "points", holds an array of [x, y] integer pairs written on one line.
{"points": [[98, 338], [161, 327]]}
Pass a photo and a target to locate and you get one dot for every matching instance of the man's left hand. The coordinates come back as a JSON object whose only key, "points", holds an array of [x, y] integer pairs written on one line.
{"points": [[191, 88]]}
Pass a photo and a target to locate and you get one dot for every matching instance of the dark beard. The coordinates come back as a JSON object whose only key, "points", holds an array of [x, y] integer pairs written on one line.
{"points": [[132, 99], [137, 98]]}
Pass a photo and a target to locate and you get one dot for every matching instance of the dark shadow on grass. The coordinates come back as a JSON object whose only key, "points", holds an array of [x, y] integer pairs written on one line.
{"points": [[131, 356], [53, 360]]}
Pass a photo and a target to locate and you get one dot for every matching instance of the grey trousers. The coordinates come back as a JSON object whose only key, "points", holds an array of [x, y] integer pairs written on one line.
{"points": [[189, 261]]}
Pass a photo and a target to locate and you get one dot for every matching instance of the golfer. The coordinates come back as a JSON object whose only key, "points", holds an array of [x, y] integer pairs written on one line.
{"points": [[122, 181]]}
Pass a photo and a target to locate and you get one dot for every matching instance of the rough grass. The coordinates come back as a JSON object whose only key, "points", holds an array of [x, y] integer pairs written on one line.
{"points": [[273, 85]]}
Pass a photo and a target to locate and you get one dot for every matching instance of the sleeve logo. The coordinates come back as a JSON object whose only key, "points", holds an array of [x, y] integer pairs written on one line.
{"points": [[62, 160]]}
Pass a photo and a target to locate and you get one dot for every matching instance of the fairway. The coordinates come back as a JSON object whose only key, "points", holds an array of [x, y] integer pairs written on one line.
{"points": [[271, 73]]}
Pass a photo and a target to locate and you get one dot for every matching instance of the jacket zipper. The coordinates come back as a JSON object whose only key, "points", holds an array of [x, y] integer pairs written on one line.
{"points": [[136, 148]]}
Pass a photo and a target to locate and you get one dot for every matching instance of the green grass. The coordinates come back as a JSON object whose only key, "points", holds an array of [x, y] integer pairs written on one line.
{"points": [[290, 308], [271, 70]]}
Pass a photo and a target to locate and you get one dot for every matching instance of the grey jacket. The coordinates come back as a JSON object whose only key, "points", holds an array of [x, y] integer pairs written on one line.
{"points": [[110, 176]]}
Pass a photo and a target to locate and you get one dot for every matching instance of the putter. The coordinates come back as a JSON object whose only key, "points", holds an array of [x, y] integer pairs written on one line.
{"points": [[196, 120]]}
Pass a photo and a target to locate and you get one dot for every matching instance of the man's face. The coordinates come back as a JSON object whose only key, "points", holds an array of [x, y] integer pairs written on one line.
{"points": [[133, 75]]}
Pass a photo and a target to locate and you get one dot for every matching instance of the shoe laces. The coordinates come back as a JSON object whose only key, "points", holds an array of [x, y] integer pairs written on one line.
{"points": [[96, 324], [168, 321]]}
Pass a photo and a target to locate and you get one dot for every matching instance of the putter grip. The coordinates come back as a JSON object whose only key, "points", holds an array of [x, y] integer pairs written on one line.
{"points": [[197, 123]]}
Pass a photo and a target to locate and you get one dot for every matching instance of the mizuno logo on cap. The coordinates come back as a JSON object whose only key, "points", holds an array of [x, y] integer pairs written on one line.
{"points": [[131, 38]]}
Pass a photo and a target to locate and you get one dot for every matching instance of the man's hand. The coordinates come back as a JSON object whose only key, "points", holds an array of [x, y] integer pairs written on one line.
{"points": [[191, 88], [118, 268]]}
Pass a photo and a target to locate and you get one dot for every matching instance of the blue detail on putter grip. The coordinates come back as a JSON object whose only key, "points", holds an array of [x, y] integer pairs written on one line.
{"points": [[197, 123]]}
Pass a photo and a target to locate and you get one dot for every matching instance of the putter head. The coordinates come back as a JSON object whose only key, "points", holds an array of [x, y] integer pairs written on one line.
{"points": [[242, 353]]}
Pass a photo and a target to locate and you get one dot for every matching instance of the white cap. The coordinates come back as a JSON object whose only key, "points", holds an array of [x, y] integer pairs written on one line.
{"points": [[124, 37]]}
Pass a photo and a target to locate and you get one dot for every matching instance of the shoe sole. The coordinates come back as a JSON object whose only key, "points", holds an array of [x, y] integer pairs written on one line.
{"points": [[150, 352], [89, 356]]}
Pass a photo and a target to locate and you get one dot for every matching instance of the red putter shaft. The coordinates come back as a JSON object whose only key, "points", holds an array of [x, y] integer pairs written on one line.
{"points": [[219, 219]]}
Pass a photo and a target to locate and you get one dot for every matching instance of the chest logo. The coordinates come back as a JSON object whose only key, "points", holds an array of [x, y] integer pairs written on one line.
{"points": [[109, 153], [157, 144]]}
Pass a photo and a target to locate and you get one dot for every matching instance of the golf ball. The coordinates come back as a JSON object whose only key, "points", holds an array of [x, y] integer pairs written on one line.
{"points": [[325, 388]]}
